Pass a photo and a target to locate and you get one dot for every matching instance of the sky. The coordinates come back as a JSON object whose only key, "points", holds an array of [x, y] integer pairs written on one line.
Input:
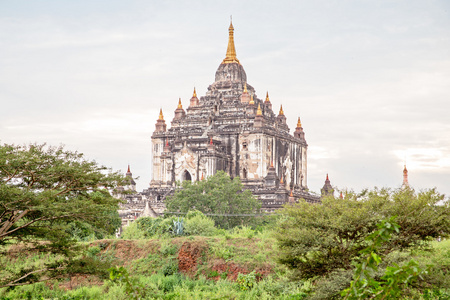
{"points": [[369, 79]]}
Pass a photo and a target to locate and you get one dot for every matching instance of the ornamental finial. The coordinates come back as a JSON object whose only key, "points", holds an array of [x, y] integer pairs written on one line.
{"points": [[161, 116], [245, 88], [195, 94], [267, 97], [179, 104], [259, 112], [281, 110], [251, 100], [231, 50], [299, 124]]}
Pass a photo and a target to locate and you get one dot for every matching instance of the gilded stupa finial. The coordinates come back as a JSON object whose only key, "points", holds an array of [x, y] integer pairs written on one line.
{"points": [[195, 94], [267, 97], [179, 104], [299, 123], [251, 100], [259, 112], [231, 50], [281, 113], [245, 88], [161, 116]]}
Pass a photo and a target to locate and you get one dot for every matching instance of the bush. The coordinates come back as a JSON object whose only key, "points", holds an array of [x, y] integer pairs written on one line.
{"points": [[315, 240], [246, 281], [133, 232], [171, 268], [147, 227], [199, 224]]}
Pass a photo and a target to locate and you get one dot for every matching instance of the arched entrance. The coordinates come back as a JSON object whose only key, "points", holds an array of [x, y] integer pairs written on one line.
{"points": [[244, 173], [187, 176]]}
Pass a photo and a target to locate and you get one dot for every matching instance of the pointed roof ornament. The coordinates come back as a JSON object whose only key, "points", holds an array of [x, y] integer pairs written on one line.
{"points": [[128, 169], [161, 116], [231, 51], [267, 97], [251, 100], [179, 104], [245, 88], [281, 113], [299, 123], [195, 93], [405, 177], [327, 178], [259, 112]]}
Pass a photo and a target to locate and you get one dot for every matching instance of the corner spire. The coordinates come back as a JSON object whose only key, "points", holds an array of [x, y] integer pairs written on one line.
{"points": [[194, 95], [245, 88], [252, 102], [299, 123], [259, 112], [267, 97], [128, 169], [179, 104], [281, 113], [231, 51], [161, 116]]}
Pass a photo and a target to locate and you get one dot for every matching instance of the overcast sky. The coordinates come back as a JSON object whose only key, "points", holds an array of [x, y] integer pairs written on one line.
{"points": [[369, 79]]}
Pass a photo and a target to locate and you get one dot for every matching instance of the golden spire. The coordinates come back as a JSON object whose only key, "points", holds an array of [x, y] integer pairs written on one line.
{"points": [[245, 88], [195, 94], [299, 124], [251, 100], [179, 104], [281, 110], [161, 117], [259, 112], [231, 51], [267, 97]]}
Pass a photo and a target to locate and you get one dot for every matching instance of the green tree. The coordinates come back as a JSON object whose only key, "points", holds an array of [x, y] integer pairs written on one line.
{"points": [[44, 191], [219, 194], [317, 239]]}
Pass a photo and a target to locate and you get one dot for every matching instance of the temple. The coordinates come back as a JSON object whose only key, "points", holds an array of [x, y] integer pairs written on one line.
{"points": [[230, 129]]}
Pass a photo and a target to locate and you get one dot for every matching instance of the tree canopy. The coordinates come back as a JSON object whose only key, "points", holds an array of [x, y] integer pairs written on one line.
{"points": [[316, 239], [43, 191], [218, 194]]}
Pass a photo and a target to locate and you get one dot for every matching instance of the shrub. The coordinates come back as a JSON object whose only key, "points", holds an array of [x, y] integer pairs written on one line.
{"points": [[247, 281], [243, 231], [170, 268], [315, 240], [199, 224], [133, 232]]}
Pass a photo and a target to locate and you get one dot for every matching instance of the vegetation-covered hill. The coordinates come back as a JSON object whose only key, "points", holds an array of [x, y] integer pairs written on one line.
{"points": [[236, 264]]}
